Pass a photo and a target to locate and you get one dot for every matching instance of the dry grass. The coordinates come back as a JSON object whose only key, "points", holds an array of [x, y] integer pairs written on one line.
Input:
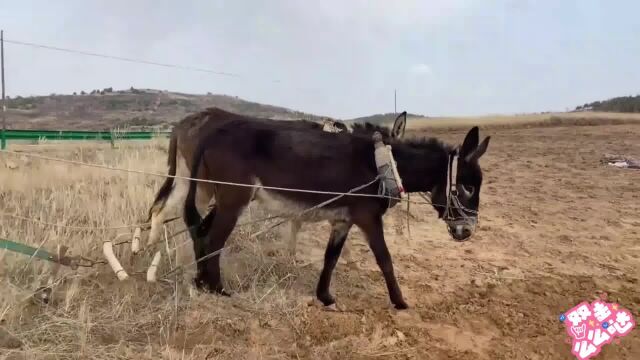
{"points": [[91, 315]]}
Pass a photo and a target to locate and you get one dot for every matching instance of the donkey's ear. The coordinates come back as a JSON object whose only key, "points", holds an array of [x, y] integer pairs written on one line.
{"points": [[399, 125], [470, 142], [479, 151]]}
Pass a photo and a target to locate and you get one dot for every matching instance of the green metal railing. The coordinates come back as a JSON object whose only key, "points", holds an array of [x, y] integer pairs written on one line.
{"points": [[38, 135]]}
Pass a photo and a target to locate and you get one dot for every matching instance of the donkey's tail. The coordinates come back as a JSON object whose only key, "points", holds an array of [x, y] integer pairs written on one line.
{"points": [[191, 215], [167, 186]]}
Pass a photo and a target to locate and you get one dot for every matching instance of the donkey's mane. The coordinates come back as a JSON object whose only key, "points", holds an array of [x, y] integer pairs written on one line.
{"points": [[425, 143], [370, 128]]}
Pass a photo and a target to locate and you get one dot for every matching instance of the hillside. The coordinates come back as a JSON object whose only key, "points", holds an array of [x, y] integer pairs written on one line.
{"points": [[108, 109], [382, 118], [623, 104]]}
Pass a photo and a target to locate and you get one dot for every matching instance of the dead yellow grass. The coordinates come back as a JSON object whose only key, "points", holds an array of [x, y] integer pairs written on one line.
{"points": [[92, 315]]}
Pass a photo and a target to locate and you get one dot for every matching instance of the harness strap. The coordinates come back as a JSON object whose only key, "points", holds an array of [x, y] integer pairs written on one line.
{"points": [[452, 181], [455, 214]]}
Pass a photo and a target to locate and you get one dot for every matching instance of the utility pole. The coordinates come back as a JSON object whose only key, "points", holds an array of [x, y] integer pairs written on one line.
{"points": [[3, 140], [395, 110]]}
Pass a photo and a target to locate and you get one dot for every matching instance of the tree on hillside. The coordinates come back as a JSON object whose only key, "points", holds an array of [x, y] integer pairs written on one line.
{"points": [[627, 104]]}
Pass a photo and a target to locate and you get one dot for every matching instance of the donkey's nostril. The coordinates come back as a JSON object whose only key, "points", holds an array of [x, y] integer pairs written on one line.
{"points": [[461, 233]]}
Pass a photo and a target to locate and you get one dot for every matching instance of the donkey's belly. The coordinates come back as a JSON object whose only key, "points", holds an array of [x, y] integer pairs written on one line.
{"points": [[276, 204]]}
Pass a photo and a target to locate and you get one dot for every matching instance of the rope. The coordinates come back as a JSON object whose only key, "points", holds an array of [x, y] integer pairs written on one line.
{"points": [[24, 218], [112, 168], [80, 163], [298, 215]]}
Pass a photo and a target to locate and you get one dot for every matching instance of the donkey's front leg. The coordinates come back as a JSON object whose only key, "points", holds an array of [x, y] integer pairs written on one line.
{"points": [[371, 225], [339, 233]]}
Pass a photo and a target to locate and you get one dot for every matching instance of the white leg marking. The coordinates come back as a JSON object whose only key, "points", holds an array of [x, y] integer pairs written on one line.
{"points": [[174, 201]]}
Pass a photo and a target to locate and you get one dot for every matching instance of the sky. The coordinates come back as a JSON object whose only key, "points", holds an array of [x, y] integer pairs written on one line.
{"points": [[339, 58]]}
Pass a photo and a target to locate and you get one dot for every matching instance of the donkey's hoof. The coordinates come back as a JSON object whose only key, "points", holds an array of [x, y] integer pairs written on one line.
{"points": [[199, 283], [222, 292], [401, 305], [202, 285], [333, 307], [326, 299]]}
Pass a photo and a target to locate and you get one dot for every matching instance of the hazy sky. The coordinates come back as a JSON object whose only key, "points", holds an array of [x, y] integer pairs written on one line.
{"points": [[340, 58]]}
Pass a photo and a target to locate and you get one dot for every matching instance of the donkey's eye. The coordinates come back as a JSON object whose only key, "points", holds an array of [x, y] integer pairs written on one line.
{"points": [[470, 190]]}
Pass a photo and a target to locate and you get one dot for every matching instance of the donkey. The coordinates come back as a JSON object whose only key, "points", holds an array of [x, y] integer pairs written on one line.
{"points": [[182, 146], [271, 154]]}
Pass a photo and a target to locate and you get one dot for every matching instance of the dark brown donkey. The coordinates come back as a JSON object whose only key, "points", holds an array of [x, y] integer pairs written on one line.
{"points": [[184, 136], [269, 153]]}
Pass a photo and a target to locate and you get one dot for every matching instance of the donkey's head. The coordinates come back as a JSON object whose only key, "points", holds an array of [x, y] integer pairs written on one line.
{"points": [[457, 195]]}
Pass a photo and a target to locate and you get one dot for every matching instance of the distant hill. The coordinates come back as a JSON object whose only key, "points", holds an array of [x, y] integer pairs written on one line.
{"points": [[382, 118], [141, 108], [622, 104]]}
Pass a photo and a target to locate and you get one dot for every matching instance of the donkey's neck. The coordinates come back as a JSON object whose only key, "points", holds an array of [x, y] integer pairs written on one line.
{"points": [[421, 165]]}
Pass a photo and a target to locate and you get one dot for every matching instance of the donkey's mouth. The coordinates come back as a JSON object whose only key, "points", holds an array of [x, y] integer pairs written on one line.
{"points": [[460, 232]]}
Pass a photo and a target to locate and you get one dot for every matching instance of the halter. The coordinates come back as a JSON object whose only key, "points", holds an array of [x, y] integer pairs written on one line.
{"points": [[454, 212]]}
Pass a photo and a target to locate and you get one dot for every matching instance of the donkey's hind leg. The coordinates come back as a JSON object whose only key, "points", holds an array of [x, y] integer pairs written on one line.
{"points": [[339, 233], [293, 237]]}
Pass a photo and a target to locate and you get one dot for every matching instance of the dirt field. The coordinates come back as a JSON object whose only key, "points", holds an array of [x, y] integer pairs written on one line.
{"points": [[556, 228]]}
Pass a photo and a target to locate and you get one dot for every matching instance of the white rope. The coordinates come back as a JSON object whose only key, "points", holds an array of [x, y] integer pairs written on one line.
{"points": [[80, 163], [42, 157], [296, 216], [24, 218]]}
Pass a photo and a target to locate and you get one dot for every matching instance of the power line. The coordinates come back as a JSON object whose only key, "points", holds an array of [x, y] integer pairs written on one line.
{"points": [[120, 58]]}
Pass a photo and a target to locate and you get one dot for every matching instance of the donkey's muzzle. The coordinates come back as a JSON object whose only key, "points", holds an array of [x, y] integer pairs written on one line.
{"points": [[461, 230]]}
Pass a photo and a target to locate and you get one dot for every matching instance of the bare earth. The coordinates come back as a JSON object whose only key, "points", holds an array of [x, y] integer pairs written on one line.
{"points": [[556, 228]]}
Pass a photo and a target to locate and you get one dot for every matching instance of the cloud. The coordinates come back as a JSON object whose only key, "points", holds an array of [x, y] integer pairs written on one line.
{"points": [[420, 69]]}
